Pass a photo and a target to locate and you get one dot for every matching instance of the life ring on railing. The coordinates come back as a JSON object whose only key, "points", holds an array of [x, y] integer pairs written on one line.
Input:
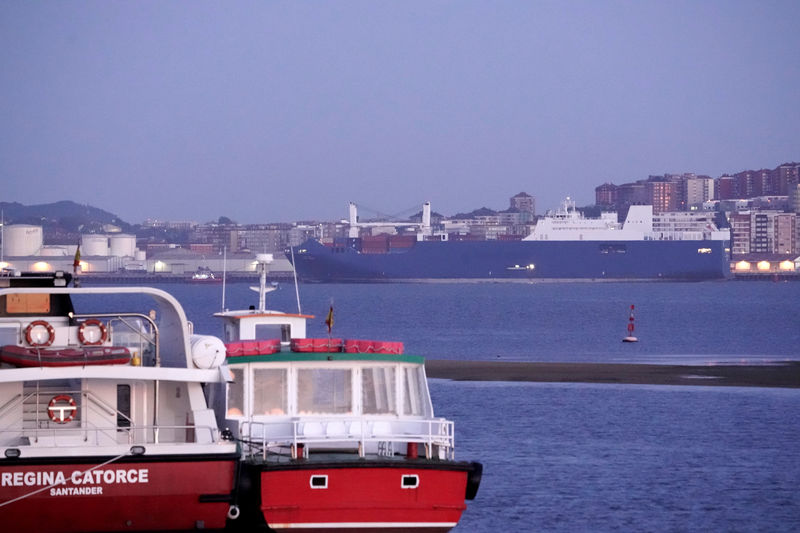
{"points": [[92, 322], [57, 411], [51, 333]]}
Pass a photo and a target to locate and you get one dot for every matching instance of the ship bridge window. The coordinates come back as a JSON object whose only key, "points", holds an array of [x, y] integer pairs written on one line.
{"points": [[378, 390], [415, 392], [236, 393], [269, 391], [324, 391]]}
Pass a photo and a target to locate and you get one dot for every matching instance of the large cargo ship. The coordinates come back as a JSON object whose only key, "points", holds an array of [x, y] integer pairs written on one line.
{"points": [[563, 245]]}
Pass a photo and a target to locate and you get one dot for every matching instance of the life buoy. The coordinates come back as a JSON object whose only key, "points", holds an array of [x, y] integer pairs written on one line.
{"points": [[58, 411], [92, 322], [51, 333]]}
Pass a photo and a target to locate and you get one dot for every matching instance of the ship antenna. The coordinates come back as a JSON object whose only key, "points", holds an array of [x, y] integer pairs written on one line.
{"points": [[296, 289], [224, 273], [263, 261]]}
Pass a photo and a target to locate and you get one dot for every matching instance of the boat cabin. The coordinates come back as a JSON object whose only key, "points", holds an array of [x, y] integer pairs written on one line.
{"points": [[99, 367], [297, 396]]}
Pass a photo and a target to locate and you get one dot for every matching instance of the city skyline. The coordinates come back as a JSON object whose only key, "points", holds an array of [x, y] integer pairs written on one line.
{"points": [[287, 111]]}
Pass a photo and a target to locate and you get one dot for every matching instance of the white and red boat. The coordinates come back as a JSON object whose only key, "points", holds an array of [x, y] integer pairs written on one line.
{"points": [[337, 435], [104, 425]]}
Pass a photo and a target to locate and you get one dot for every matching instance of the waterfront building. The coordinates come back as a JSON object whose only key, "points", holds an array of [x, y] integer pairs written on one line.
{"points": [[606, 194], [764, 232]]}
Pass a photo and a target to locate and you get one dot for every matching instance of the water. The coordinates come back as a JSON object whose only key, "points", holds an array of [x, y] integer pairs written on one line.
{"points": [[675, 322], [577, 457], [627, 458]]}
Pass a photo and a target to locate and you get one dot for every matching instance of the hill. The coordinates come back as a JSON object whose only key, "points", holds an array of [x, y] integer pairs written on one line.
{"points": [[63, 221]]}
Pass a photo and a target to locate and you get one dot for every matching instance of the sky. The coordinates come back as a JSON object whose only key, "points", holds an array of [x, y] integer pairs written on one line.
{"points": [[277, 111]]}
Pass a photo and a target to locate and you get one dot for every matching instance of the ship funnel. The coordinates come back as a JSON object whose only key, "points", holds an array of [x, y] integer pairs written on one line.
{"points": [[426, 218], [353, 231]]}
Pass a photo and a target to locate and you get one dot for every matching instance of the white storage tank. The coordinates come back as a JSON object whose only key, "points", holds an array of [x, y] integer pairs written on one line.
{"points": [[22, 240], [123, 245], [54, 251], [94, 245]]}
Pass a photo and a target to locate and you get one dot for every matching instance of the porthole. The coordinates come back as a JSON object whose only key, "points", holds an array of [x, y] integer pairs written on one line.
{"points": [[319, 482], [409, 481]]}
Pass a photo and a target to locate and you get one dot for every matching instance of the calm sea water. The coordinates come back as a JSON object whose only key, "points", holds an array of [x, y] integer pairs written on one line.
{"points": [[577, 457], [627, 458], [675, 322]]}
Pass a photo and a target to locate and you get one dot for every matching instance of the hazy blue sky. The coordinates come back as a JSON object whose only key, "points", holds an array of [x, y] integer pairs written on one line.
{"points": [[279, 111]]}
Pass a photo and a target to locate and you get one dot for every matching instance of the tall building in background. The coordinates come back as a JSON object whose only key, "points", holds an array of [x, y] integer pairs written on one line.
{"points": [[697, 190], [606, 194], [784, 176], [764, 232], [524, 203], [725, 188], [664, 196]]}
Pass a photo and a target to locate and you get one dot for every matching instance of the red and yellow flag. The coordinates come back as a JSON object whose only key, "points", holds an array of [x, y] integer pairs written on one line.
{"points": [[77, 262], [329, 320]]}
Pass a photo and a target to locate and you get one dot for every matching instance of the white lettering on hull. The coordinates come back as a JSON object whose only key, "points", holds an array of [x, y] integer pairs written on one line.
{"points": [[89, 482]]}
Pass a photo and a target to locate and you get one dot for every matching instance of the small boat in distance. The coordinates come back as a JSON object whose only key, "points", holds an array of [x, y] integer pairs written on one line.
{"points": [[337, 435], [205, 275], [104, 426]]}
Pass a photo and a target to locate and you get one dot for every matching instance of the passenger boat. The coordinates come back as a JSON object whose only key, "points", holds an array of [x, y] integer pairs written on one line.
{"points": [[337, 435], [104, 425]]}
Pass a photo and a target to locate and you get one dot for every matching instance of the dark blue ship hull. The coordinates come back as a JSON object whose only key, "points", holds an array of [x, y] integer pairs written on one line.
{"points": [[510, 260]]}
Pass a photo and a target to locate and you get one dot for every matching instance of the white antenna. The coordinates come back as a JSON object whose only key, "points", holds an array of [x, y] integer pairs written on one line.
{"points": [[263, 261], [296, 289], [224, 272]]}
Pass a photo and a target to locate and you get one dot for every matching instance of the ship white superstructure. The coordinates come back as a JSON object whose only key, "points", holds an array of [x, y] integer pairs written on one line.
{"points": [[569, 224]]}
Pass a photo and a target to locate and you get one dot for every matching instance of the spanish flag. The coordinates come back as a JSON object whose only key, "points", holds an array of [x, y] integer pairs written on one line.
{"points": [[77, 262], [329, 319]]}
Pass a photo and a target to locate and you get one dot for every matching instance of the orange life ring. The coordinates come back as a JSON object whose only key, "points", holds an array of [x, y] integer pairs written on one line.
{"points": [[96, 323], [51, 333], [53, 408]]}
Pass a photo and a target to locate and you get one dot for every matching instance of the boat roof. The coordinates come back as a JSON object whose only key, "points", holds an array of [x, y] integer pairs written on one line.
{"points": [[254, 313], [173, 325], [297, 357]]}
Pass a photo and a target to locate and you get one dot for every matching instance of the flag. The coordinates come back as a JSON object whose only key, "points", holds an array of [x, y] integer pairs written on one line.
{"points": [[77, 262], [329, 320]]}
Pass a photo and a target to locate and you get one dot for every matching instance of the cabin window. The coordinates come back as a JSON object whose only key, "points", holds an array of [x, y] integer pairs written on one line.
{"points": [[324, 391], [236, 393], [415, 391], [123, 406], [268, 331], [269, 391], [377, 390]]}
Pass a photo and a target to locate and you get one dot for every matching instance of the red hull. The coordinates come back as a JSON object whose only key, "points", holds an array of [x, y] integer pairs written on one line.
{"points": [[363, 498], [141, 495]]}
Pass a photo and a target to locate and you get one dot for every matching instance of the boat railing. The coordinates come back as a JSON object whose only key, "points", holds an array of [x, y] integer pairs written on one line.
{"points": [[297, 437], [28, 427], [94, 436]]}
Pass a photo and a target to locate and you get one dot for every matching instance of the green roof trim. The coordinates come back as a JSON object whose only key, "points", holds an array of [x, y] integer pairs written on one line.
{"points": [[284, 357]]}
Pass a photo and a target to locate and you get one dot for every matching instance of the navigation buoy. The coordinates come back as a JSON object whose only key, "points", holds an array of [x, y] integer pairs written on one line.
{"points": [[630, 337]]}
